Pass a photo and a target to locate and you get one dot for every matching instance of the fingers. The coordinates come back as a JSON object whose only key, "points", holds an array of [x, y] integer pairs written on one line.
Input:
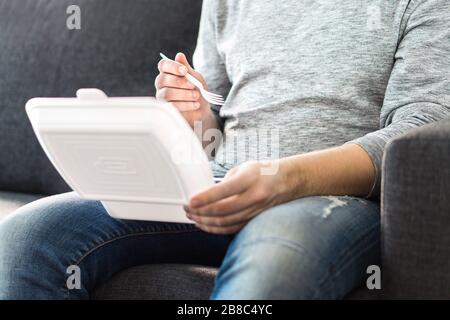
{"points": [[181, 58], [172, 86], [186, 105], [224, 221], [172, 81], [172, 67], [224, 207], [175, 94], [226, 225], [221, 230], [172, 74], [234, 185]]}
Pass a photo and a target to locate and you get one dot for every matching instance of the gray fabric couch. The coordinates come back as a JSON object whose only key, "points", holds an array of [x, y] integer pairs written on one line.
{"points": [[117, 50]]}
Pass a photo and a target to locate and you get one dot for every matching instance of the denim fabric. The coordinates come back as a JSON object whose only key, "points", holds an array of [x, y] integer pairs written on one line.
{"points": [[42, 239], [315, 247], [311, 248]]}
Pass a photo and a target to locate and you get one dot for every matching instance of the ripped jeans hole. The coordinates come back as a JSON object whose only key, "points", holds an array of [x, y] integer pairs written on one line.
{"points": [[335, 202]]}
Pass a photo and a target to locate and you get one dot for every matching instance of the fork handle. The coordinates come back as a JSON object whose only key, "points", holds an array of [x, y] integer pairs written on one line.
{"points": [[194, 81], [190, 78]]}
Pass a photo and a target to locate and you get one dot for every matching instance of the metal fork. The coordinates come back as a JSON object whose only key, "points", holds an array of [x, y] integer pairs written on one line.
{"points": [[212, 98]]}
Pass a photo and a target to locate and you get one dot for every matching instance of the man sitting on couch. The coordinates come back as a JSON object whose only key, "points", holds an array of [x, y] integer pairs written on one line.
{"points": [[324, 75]]}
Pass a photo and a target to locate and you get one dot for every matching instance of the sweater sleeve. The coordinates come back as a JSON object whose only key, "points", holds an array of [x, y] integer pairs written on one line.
{"points": [[207, 59], [418, 90]]}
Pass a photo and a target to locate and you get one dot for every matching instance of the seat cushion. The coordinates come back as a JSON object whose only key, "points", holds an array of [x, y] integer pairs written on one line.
{"points": [[174, 281], [159, 282], [10, 201]]}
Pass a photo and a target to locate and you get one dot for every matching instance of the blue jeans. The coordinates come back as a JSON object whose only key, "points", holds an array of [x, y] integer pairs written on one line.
{"points": [[311, 248]]}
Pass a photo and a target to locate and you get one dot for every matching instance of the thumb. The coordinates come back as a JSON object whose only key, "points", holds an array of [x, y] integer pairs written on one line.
{"points": [[181, 58]]}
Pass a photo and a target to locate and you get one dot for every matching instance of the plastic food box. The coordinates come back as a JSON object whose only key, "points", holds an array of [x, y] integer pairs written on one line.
{"points": [[136, 155]]}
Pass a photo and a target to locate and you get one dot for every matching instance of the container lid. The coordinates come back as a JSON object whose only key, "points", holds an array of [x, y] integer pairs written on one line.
{"points": [[137, 155]]}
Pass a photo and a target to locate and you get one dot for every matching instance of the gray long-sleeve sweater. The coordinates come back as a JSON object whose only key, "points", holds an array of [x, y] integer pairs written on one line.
{"points": [[303, 75]]}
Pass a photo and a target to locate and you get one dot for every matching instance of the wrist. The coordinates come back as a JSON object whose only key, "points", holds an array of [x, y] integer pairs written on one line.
{"points": [[295, 179], [206, 117]]}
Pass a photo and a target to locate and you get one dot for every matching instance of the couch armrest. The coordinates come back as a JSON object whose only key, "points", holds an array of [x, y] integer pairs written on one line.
{"points": [[415, 214]]}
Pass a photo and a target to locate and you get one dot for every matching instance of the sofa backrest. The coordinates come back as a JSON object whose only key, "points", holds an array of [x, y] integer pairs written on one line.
{"points": [[115, 50]]}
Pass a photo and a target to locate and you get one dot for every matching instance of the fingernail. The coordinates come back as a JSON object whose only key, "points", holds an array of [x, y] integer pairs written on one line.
{"points": [[196, 105], [195, 94], [183, 70]]}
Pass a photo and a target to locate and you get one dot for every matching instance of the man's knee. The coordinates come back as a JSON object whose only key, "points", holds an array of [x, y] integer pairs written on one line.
{"points": [[37, 245], [269, 268], [42, 225], [291, 222], [272, 258], [313, 222], [296, 250]]}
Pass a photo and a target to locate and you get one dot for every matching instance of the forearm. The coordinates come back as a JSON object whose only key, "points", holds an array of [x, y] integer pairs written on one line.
{"points": [[344, 170], [248, 189]]}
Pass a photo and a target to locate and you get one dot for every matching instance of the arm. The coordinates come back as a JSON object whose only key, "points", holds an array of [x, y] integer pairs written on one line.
{"points": [[247, 191], [344, 170], [417, 93], [172, 86], [207, 59], [418, 90], [210, 71]]}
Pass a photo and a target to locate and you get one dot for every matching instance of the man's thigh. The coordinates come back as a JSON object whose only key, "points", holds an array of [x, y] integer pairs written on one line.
{"points": [[315, 247], [41, 240]]}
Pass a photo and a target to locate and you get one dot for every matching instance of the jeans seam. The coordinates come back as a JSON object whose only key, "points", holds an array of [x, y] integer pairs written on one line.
{"points": [[97, 246], [330, 274], [120, 237]]}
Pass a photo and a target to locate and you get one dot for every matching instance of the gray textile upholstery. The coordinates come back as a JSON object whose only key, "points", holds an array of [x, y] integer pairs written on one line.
{"points": [[416, 215], [116, 50], [159, 282], [10, 201], [172, 282]]}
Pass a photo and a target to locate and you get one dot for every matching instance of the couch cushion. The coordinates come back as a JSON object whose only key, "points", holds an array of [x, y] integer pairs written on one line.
{"points": [[174, 281], [10, 201], [157, 282], [116, 50]]}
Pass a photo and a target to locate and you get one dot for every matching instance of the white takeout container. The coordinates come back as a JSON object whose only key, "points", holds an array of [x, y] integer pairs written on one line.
{"points": [[136, 155]]}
